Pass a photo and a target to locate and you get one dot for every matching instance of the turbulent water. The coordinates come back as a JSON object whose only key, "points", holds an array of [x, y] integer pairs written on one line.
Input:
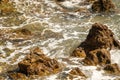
{"points": [[71, 28]]}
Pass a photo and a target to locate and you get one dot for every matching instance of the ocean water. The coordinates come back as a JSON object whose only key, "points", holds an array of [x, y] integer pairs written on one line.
{"points": [[72, 28]]}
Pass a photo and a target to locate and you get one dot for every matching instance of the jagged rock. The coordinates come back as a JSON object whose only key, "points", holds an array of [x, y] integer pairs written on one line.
{"points": [[17, 76], [36, 63], [77, 71], [103, 6], [98, 56], [112, 69], [99, 37], [79, 52]]}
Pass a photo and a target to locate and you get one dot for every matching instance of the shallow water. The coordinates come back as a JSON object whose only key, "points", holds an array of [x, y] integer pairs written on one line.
{"points": [[72, 27]]}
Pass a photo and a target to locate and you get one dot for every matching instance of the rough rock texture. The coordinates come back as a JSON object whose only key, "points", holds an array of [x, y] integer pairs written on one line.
{"points": [[96, 46], [36, 63], [17, 76], [79, 52], [76, 71], [99, 37], [112, 69], [98, 56], [103, 6]]}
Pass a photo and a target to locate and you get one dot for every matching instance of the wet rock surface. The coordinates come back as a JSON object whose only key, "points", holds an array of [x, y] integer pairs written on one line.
{"points": [[37, 63], [100, 36], [112, 69], [103, 6], [96, 45], [98, 56]]}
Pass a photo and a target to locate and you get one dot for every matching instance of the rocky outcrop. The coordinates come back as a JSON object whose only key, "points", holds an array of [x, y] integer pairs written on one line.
{"points": [[103, 6], [97, 45], [99, 37], [98, 56], [112, 69], [76, 73], [36, 63]]}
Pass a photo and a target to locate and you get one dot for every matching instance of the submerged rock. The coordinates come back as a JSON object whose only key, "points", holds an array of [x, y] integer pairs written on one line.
{"points": [[37, 63], [17, 76], [77, 71], [103, 6], [112, 69], [98, 56]]}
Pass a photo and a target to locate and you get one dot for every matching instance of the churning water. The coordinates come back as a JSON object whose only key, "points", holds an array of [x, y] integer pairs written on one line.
{"points": [[71, 28]]}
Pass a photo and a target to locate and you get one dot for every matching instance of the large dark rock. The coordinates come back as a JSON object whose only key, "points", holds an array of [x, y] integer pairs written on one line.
{"points": [[36, 63], [77, 71], [103, 6], [98, 56], [97, 45], [112, 69], [99, 37]]}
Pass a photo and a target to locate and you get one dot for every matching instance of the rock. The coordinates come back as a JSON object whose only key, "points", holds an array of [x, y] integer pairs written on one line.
{"points": [[17, 76], [37, 63], [99, 37], [112, 69], [77, 71], [79, 52], [98, 57], [103, 6]]}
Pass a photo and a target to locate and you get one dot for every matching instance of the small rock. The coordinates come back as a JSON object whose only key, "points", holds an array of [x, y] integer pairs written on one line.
{"points": [[99, 37], [77, 71], [17, 76], [112, 69], [103, 6]]}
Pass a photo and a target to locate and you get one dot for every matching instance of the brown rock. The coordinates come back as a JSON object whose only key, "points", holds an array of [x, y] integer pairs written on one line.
{"points": [[99, 37], [18, 76], [36, 63], [77, 71], [98, 56], [103, 6], [112, 69], [79, 52]]}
